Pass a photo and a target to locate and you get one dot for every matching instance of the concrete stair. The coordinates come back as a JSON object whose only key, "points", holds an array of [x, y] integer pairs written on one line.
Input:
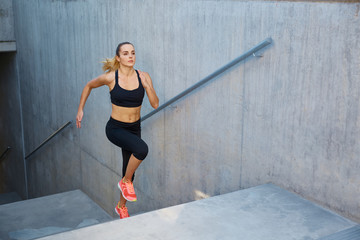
{"points": [[352, 233], [266, 212], [48, 215]]}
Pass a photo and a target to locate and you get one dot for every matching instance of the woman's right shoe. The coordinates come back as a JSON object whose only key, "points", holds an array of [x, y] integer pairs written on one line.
{"points": [[127, 190], [122, 212]]}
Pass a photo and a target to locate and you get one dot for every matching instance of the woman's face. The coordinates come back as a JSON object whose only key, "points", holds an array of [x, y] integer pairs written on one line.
{"points": [[127, 55]]}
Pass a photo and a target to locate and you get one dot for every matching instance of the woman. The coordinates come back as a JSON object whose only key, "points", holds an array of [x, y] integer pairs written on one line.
{"points": [[127, 88]]}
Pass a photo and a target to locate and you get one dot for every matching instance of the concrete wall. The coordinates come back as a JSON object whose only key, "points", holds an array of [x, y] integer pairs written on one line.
{"points": [[7, 33], [12, 176], [6, 21], [290, 117]]}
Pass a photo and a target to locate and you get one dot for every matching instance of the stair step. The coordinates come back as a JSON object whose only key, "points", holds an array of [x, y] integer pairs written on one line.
{"points": [[264, 212], [48, 215], [11, 197], [352, 233]]}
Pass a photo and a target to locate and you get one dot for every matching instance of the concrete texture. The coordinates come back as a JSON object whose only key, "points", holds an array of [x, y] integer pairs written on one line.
{"points": [[7, 32], [48, 215], [352, 233], [264, 212], [290, 117], [12, 177], [9, 198], [62, 172], [7, 46]]}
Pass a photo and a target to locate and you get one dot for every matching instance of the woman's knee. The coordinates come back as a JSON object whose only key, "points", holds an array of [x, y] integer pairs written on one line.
{"points": [[142, 151]]}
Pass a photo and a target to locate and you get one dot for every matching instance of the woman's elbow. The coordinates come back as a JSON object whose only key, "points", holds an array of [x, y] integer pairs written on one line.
{"points": [[88, 86], [155, 105]]}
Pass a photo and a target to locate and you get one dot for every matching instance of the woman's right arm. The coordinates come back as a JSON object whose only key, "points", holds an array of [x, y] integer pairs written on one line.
{"points": [[94, 83]]}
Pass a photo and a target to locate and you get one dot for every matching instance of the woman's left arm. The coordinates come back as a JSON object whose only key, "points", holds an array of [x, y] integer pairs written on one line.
{"points": [[150, 91]]}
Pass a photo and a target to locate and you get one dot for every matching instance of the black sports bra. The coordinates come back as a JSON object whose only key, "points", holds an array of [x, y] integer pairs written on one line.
{"points": [[127, 98]]}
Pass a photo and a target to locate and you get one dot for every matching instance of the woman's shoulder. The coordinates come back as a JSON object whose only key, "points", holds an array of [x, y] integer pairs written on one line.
{"points": [[142, 72], [108, 76]]}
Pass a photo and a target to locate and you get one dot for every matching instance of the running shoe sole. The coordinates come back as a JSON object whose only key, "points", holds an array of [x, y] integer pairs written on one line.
{"points": [[117, 212]]}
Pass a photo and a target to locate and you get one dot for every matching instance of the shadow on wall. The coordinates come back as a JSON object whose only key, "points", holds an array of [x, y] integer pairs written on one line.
{"points": [[3, 187]]}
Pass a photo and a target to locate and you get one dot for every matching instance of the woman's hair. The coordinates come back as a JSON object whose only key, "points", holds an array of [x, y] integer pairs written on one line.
{"points": [[110, 64]]}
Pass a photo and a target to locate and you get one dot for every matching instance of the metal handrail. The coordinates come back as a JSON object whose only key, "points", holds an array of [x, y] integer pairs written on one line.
{"points": [[2, 157], [49, 138], [211, 76]]}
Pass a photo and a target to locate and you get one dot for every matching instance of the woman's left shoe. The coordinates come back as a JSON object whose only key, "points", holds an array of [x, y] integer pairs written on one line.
{"points": [[127, 190], [122, 212]]}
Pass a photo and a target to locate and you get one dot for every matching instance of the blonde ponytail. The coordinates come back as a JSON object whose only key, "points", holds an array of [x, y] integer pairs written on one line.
{"points": [[111, 64]]}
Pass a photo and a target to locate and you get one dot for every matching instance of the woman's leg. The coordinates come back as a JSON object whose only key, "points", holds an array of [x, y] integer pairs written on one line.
{"points": [[139, 153], [129, 138], [131, 168], [122, 202], [126, 186], [126, 157], [135, 156], [126, 154]]}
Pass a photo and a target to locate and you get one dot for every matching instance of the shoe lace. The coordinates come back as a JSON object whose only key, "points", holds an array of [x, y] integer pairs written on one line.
{"points": [[130, 187], [124, 211]]}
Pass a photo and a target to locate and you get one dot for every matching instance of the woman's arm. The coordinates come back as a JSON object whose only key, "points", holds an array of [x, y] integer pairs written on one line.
{"points": [[94, 83], [150, 91]]}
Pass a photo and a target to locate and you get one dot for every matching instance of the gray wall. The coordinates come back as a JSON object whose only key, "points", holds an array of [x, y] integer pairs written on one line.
{"points": [[12, 176], [290, 117], [7, 33], [6, 21]]}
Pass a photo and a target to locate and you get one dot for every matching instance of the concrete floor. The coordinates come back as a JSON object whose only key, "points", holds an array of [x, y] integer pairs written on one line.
{"points": [[263, 212], [48, 215]]}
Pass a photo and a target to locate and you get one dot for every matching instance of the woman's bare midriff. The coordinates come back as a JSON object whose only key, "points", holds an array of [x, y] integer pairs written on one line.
{"points": [[125, 114]]}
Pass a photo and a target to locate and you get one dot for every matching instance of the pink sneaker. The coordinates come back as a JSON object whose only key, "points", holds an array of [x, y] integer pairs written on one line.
{"points": [[127, 190], [122, 212]]}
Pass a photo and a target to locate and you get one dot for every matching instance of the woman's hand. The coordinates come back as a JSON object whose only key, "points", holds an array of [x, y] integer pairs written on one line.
{"points": [[79, 117]]}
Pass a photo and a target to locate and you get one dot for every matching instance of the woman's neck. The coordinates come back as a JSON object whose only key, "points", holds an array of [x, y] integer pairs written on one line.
{"points": [[126, 71]]}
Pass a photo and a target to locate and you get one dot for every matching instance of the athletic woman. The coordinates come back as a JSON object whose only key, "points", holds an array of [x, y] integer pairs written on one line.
{"points": [[127, 87]]}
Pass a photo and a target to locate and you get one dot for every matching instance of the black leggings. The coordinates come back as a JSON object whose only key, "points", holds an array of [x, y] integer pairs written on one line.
{"points": [[127, 136]]}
